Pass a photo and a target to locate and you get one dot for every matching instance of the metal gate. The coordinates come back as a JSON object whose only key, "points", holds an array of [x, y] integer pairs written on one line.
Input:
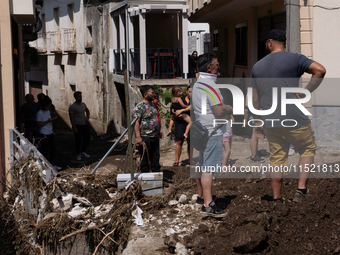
{"points": [[20, 147]]}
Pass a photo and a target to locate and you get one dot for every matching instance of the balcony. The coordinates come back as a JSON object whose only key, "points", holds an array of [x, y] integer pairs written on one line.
{"points": [[164, 63], [55, 38], [41, 43], [23, 12], [161, 63], [70, 40]]}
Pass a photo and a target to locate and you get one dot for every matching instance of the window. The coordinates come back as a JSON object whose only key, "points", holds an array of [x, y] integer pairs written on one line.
{"points": [[62, 77], [73, 87], [70, 14], [43, 28], [215, 40], [89, 36], [241, 44], [56, 18]]}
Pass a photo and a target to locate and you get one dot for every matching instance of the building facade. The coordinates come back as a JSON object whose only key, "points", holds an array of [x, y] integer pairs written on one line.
{"points": [[82, 47], [238, 30], [13, 14]]}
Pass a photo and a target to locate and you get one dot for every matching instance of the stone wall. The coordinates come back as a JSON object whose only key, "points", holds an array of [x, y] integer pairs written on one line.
{"points": [[326, 124]]}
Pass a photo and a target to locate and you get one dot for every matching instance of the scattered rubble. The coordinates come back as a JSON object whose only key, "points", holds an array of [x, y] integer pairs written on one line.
{"points": [[172, 223]]}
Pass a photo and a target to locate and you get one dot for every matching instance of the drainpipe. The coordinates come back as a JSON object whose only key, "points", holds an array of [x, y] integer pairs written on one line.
{"points": [[293, 26], [126, 85], [107, 98], [2, 138], [107, 81]]}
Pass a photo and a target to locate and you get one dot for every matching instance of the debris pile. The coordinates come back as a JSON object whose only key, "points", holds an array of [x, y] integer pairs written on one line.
{"points": [[79, 202]]}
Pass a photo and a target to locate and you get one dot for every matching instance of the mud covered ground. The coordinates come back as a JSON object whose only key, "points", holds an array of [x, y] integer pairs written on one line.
{"points": [[253, 225]]}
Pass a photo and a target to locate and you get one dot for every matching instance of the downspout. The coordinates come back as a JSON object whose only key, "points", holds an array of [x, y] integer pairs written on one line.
{"points": [[293, 26], [127, 97], [2, 138], [107, 99], [107, 84]]}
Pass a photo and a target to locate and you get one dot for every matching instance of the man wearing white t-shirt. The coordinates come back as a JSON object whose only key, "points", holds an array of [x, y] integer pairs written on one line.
{"points": [[212, 155], [44, 123], [80, 125]]}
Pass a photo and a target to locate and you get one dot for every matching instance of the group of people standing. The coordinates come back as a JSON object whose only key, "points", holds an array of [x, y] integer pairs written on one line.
{"points": [[38, 121], [279, 65], [148, 126]]}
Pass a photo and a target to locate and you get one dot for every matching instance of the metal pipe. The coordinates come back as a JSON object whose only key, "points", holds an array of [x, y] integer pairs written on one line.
{"points": [[113, 146], [107, 79], [126, 85], [107, 98]]}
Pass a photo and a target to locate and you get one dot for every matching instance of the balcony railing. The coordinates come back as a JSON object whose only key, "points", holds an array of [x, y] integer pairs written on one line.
{"points": [[120, 61], [70, 40], [117, 69], [55, 46], [135, 62], [164, 63], [161, 63], [41, 43]]}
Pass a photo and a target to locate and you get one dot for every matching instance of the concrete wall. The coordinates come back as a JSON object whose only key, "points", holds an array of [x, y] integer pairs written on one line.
{"points": [[319, 41], [86, 68], [196, 40], [191, 43], [7, 101], [326, 124]]}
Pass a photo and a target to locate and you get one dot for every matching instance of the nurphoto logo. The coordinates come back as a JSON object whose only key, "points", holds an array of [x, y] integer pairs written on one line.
{"points": [[238, 104]]}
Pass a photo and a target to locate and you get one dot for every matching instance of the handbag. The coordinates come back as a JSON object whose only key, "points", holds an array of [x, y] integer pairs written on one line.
{"points": [[199, 135]]}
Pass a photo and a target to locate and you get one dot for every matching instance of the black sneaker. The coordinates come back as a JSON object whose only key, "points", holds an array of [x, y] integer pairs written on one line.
{"points": [[271, 199], [281, 199], [213, 210], [299, 196], [257, 159], [200, 201]]}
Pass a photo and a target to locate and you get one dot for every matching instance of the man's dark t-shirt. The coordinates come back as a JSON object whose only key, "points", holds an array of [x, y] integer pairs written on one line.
{"points": [[278, 70]]}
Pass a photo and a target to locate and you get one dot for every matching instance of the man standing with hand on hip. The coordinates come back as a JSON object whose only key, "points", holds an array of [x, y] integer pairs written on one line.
{"points": [[281, 69], [80, 125]]}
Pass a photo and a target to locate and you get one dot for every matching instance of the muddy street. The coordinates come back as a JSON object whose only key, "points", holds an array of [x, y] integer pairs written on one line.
{"points": [[173, 223]]}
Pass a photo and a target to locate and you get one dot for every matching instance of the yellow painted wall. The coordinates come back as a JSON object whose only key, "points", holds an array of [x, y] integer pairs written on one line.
{"points": [[7, 76]]}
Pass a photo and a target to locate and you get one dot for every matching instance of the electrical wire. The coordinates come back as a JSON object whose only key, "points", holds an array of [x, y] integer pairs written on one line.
{"points": [[316, 6], [327, 8]]}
